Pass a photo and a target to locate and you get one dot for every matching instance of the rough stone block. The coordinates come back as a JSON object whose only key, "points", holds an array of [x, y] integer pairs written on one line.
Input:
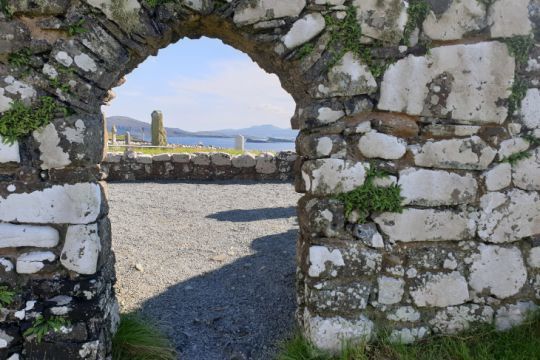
{"points": [[390, 290], [514, 314], [377, 145], [250, 13], [382, 20], [329, 333], [441, 290], [426, 225], [304, 30], [455, 20], [470, 154], [347, 261], [526, 173], [66, 204], [221, 159], [161, 158], [181, 158], [338, 298], [436, 188], [332, 176], [498, 177], [244, 161], [28, 235], [9, 152], [32, 262], [509, 217], [465, 82], [497, 271], [266, 164], [455, 319], [530, 109], [81, 249], [509, 18]]}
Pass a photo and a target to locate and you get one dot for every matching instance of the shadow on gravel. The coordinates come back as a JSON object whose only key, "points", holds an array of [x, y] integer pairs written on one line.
{"points": [[254, 214], [240, 311]]}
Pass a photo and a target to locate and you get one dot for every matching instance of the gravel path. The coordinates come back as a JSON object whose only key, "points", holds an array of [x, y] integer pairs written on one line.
{"points": [[212, 263]]}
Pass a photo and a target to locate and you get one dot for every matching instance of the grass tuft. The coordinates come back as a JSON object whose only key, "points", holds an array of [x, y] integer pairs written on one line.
{"points": [[481, 343], [138, 339]]}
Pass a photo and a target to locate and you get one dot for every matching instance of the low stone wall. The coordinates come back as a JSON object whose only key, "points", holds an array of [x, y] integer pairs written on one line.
{"points": [[131, 166]]}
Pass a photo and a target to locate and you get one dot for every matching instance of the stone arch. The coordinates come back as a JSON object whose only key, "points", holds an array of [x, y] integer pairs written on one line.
{"points": [[448, 108]]}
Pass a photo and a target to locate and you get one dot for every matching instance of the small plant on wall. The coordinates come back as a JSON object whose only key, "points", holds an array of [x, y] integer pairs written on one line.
{"points": [[371, 198], [6, 296], [42, 326]]}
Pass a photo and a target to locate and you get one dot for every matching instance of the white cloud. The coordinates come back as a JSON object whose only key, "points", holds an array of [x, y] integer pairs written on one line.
{"points": [[230, 94]]}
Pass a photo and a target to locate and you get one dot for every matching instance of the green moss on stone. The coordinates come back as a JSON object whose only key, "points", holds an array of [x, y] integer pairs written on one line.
{"points": [[6, 296], [418, 10], [370, 198], [20, 120], [519, 91]]}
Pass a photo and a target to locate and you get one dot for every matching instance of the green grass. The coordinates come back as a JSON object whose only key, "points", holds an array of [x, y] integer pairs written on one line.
{"points": [[481, 343], [179, 150], [138, 339]]}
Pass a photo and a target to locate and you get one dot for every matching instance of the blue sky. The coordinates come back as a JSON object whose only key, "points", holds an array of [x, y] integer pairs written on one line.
{"points": [[203, 85]]}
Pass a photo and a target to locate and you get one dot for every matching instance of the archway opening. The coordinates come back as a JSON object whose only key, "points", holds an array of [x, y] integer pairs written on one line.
{"points": [[212, 262]]}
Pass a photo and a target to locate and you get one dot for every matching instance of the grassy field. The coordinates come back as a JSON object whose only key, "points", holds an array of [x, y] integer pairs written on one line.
{"points": [[482, 343], [180, 150]]}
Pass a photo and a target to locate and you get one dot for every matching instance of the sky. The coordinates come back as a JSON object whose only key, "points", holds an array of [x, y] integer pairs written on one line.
{"points": [[203, 85]]}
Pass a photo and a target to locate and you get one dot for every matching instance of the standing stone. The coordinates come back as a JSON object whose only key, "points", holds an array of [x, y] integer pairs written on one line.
{"points": [[159, 135], [114, 131], [128, 138], [239, 143]]}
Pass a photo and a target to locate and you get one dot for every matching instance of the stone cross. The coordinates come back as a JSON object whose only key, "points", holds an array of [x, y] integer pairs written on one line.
{"points": [[239, 143], [159, 135], [128, 138]]}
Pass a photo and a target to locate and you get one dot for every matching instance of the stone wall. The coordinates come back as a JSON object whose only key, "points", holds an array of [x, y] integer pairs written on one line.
{"points": [[131, 166], [441, 95]]}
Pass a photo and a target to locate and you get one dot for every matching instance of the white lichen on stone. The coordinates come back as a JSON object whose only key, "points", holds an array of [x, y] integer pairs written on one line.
{"points": [[390, 290], [52, 155], [455, 319], [467, 99], [436, 188], [259, 10], [9, 152], [81, 249], [498, 177], [509, 18], [512, 315], [304, 29], [12, 235], [425, 225], [498, 271], [32, 262], [441, 290], [509, 217], [332, 176], [59, 204], [460, 18], [530, 108], [378, 145], [319, 256]]}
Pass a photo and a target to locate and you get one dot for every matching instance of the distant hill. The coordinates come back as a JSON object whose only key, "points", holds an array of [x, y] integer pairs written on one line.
{"points": [[124, 124]]}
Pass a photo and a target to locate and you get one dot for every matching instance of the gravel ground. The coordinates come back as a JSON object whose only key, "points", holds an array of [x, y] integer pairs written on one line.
{"points": [[212, 263]]}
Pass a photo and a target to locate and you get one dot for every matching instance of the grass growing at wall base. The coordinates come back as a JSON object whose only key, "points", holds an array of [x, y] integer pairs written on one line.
{"points": [[481, 343], [137, 339]]}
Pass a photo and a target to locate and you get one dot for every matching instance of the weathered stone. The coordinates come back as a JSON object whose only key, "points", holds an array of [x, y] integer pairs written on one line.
{"points": [[52, 155], [161, 158], [460, 318], [512, 146], [498, 271], [441, 290], [390, 290], [509, 217], [266, 164], [329, 333], [201, 159], [471, 154], [425, 225], [32, 262], [28, 235], [221, 159], [159, 134], [466, 99], [369, 235], [377, 145], [460, 18], [81, 249], [498, 177], [408, 336], [304, 30], [530, 108], [382, 20], [345, 298], [9, 152], [399, 125], [348, 77], [67, 204], [144, 158], [526, 173], [325, 217], [534, 257], [514, 314], [181, 158], [114, 158], [442, 130], [404, 313], [244, 161], [249, 13], [436, 188], [332, 176], [349, 260], [509, 18]]}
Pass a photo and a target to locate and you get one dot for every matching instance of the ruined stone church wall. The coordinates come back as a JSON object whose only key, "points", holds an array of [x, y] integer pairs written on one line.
{"points": [[435, 102]]}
